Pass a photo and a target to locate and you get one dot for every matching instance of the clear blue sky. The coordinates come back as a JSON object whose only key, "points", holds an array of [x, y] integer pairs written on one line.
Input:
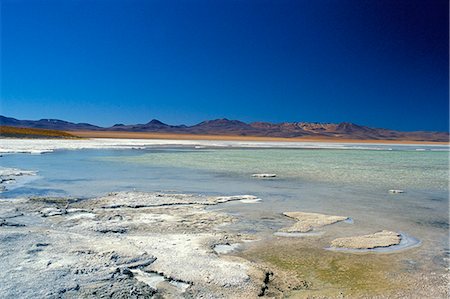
{"points": [[380, 63]]}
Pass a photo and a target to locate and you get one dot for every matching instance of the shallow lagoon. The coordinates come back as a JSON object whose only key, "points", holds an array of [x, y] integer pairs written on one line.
{"points": [[348, 182]]}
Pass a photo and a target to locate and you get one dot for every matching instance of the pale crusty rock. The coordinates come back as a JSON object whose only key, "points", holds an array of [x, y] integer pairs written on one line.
{"points": [[9, 176], [9, 173], [379, 239], [123, 245], [308, 221], [143, 199]]}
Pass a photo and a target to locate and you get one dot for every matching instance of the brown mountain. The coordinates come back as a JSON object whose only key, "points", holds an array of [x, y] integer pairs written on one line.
{"points": [[152, 126], [225, 126]]}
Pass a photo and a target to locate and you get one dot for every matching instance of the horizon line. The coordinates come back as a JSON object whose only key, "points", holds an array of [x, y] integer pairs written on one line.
{"points": [[227, 119]]}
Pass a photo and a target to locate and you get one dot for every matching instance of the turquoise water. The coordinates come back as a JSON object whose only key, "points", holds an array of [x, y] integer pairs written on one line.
{"points": [[389, 169], [350, 182]]}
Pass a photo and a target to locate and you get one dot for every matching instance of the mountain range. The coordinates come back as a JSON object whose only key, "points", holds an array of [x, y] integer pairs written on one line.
{"points": [[344, 130]]}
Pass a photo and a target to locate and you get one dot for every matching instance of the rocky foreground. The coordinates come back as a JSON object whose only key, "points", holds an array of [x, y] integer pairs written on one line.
{"points": [[123, 245], [155, 245]]}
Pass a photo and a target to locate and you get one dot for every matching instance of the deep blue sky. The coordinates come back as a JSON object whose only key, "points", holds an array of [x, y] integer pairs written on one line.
{"points": [[380, 63]]}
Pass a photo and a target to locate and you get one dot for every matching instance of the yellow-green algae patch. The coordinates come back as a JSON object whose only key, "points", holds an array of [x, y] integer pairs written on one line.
{"points": [[321, 273]]}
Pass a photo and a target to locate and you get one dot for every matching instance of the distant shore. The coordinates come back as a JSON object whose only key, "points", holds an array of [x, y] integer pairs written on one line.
{"points": [[17, 132], [151, 135]]}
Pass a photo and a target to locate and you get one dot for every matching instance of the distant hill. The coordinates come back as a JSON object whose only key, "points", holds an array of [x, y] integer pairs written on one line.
{"points": [[225, 126], [51, 124]]}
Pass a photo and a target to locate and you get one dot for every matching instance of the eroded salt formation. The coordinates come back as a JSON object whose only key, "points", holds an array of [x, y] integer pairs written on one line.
{"points": [[9, 176], [379, 239], [307, 222], [125, 244]]}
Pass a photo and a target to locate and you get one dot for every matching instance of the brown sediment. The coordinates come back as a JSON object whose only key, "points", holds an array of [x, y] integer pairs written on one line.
{"points": [[302, 269], [171, 136]]}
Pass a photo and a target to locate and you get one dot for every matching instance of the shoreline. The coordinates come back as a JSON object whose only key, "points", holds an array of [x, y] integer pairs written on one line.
{"points": [[171, 136]]}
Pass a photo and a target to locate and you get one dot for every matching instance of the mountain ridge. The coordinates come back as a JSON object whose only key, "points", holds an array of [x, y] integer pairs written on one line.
{"points": [[224, 126]]}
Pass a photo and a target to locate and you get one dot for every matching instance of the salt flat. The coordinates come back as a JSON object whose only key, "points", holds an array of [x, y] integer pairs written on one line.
{"points": [[38, 146]]}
